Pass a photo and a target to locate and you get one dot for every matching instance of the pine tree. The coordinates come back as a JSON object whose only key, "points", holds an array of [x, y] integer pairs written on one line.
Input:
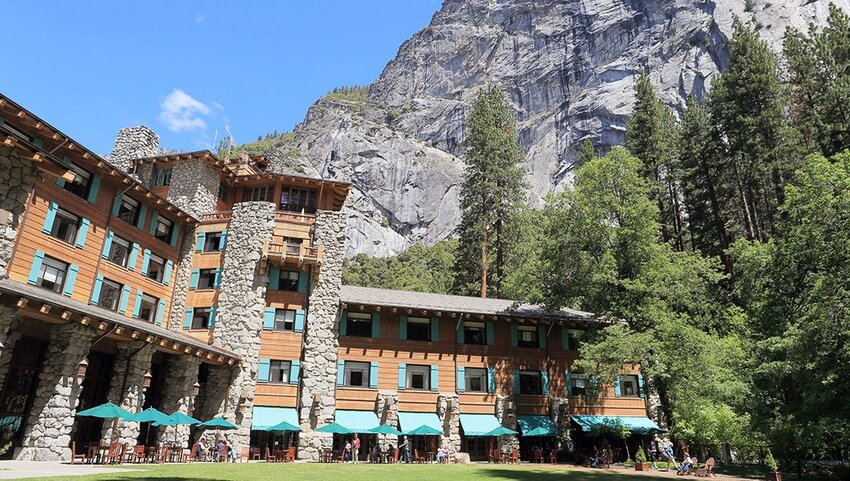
{"points": [[586, 153], [492, 192]]}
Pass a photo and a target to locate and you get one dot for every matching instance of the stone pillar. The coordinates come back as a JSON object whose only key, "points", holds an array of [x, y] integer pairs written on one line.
{"points": [[448, 411], [317, 402], [181, 374], [507, 418], [559, 410], [10, 332], [241, 306], [48, 433], [386, 407], [16, 178], [182, 276], [194, 186], [133, 143], [132, 361]]}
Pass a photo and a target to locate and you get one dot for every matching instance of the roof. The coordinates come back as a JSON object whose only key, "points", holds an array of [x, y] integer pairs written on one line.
{"points": [[53, 299], [443, 302]]}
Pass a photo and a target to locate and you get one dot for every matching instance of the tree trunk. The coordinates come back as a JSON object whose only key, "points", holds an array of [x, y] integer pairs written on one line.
{"points": [[484, 263]]}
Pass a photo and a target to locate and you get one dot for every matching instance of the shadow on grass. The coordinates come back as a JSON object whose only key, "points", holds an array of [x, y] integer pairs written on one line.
{"points": [[559, 475]]}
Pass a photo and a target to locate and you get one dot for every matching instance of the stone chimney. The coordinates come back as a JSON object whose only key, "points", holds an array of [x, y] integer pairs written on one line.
{"points": [[133, 143]]}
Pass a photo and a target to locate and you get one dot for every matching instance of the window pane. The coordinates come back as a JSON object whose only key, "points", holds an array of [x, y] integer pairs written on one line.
{"points": [[475, 379], [128, 210], [418, 329], [527, 336], [212, 241], [155, 268], [474, 333], [65, 226], [288, 280], [357, 374], [529, 382], [147, 311], [279, 371], [206, 278], [119, 251], [284, 320], [52, 275], [359, 325], [110, 292], [80, 185]]}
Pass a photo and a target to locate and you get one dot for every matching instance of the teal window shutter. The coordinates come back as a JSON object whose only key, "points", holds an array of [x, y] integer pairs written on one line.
{"points": [[143, 212], [166, 276], [491, 333], [544, 382], [340, 373], [71, 279], [268, 319], [514, 340], [35, 269], [137, 306], [116, 204], [217, 278], [213, 312], [193, 282], [199, 245], [299, 320], [175, 233], [50, 217], [303, 278], [294, 371], [95, 292], [107, 244], [516, 382], [373, 374], [95, 186], [565, 339], [541, 336], [222, 241], [187, 318], [146, 260], [263, 371], [435, 377], [343, 323], [376, 325], [402, 376], [402, 327], [568, 380], [491, 380], [134, 254], [154, 222], [125, 297], [435, 329], [459, 333], [274, 278], [617, 390], [641, 389], [461, 379], [82, 233], [160, 311]]}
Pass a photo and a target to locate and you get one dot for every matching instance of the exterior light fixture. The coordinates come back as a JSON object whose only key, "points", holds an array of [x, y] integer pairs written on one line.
{"points": [[81, 370], [146, 383], [196, 389]]}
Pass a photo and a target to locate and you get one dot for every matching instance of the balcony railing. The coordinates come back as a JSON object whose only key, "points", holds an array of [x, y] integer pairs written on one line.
{"points": [[280, 216], [295, 252]]}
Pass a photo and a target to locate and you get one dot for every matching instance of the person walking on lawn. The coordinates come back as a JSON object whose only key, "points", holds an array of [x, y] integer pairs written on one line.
{"points": [[356, 448]]}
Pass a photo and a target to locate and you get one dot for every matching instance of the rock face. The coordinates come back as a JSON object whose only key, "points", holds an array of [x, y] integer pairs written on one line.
{"points": [[567, 67]]}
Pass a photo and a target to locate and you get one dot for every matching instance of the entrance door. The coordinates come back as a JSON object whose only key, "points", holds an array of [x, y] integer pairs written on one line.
{"points": [[19, 391], [95, 388]]}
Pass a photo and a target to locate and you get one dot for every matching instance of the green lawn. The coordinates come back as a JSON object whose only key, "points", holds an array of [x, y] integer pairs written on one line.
{"points": [[359, 472]]}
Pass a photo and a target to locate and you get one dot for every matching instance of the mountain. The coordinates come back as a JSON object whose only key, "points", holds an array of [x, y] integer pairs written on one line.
{"points": [[567, 67]]}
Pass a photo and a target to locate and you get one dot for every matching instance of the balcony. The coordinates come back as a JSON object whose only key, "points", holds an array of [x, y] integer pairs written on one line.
{"points": [[304, 253], [280, 216]]}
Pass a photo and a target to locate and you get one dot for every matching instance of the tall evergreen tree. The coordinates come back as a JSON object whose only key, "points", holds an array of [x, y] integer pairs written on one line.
{"points": [[492, 192], [586, 152]]}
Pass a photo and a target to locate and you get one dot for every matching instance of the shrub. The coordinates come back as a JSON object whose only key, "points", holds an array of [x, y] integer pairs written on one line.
{"points": [[640, 456], [770, 462]]}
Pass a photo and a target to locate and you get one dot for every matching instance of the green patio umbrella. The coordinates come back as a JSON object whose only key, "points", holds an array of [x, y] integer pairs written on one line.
{"points": [[539, 432], [149, 415], [106, 411], [384, 429], [334, 428], [180, 419], [283, 427], [501, 431], [219, 424], [424, 430]]}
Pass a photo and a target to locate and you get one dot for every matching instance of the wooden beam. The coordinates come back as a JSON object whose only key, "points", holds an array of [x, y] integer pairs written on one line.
{"points": [[67, 315], [85, 320], [22, 302], [102, 326], [45, 308]]}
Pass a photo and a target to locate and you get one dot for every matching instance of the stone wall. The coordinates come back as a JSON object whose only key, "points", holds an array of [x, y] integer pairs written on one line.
{"points": [[181, 373], [507, 418], [182, 276], [10, 332], [133, 143], [321, 339], [132, 361], [448, 411], [559, 409], [386, 408], [16, 178], [194, 186], [48, 433]]}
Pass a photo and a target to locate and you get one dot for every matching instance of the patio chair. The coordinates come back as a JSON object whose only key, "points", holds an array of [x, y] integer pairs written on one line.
{"points": [[553, 456], [256, 454], [515, 456], [138, 453], [418, 458], [393, 458], [222, 454], [74, 456], [494, 456], [270, 458], [114, 454], [340, 458], [164, 454], [243, 454], [289, 456], [707, 470]]}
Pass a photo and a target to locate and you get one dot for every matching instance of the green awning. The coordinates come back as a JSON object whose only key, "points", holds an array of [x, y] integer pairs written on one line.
{"points": [[266, 417], [636, 424], [411, 421], [478, 424], [541, 425], [357, 421]]}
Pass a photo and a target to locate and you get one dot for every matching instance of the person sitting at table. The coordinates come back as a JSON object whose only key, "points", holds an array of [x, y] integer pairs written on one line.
{"points": [[376, 453], [596, 458], [442, 455], [201, 449]]}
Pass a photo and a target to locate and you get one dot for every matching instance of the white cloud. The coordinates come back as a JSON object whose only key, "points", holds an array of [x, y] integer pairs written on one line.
{"points": [[179, 111], [200, 18]]}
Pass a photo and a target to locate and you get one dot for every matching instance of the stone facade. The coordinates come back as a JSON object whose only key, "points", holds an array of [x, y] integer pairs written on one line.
{"points": [[317, 403], [10, 332], [133, 143], [182, 277], [386, 408], [16, 180], [506, 414], [181, 373], [448, 411], [241, 305], [194, 186], [132, 361], [48, 433], [559, 409]]}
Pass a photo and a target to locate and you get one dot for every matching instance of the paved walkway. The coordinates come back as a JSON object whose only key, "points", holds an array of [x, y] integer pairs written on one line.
{"points": [[38, 469]]}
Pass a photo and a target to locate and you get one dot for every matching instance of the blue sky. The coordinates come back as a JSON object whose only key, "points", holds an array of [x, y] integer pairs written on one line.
{"points": [[185, 68]]}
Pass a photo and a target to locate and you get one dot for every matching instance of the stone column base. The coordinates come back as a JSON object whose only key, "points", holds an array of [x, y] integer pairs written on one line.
{"points": [[312, 444], [41, 454]]}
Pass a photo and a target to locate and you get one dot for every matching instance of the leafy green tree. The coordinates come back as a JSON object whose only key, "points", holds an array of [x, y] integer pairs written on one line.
{"points": [[586, 152], [492, 192], [420, 268]]}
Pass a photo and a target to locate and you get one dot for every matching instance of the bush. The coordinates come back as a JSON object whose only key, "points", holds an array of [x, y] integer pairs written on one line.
{"points": [[770, 462], [640, 456]]}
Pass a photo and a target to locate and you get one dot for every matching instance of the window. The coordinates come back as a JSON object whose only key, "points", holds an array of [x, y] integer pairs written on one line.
{"points": [[359, 324], [475, 379], [162, 176], [110, 292], [201, 317], [629, 386], [418, 377], [574, 339], [119, 251], [163, 229], [156, 267], [418, 329], [65, 226], [579, 385], [356, 374], [284, 320], [529, 382], [52, 274], [206, 279], [128, 210], [293, 246], [81, 183], [288, 280], [147, 312], [474, 333], [223, 191], [279, 371], [212, 241], [297, 200], [526, 336], [255, 194]]}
